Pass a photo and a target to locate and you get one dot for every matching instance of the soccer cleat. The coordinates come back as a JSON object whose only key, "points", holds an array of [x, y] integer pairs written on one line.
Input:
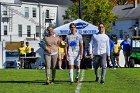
{"points": [[52, 81], [47, 82], [76, 80], [71, 83]]}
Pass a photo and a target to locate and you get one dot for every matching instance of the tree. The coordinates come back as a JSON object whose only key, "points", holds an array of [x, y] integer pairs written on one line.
{"points": [[93, 11], [123, 2]]}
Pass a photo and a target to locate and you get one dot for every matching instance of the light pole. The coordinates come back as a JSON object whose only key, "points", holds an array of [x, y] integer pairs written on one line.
{"points": [[80, 9], [0, 21], [39, 19]]}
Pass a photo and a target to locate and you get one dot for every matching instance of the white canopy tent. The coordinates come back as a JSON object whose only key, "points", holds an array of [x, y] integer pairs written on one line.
{"points": [[82, 27]]}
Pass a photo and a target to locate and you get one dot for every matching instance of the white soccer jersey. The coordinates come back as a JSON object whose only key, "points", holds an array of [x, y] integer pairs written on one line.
{"points": [[73, 44]]}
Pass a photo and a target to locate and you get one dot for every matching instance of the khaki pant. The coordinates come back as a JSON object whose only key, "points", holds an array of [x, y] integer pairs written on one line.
{"points": [[50, 61]]}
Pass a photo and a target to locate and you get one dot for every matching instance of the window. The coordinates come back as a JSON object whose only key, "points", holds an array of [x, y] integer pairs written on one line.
{"points": [[28, 31], [5, 30], [4, 10], [37, 31], [5, 19], [26, 11], [20, 30], [34, 12], [47, 13]]}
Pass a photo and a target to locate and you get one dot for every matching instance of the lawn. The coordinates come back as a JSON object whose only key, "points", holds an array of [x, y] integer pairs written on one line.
{"points": [[122, 80]]}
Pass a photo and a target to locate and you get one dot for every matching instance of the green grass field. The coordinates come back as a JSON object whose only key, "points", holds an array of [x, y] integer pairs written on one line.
{"points": [[122, 80]]}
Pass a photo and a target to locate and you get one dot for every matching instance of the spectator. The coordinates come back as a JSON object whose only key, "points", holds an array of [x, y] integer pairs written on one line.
{"points": [[86, 60], [33, 53], [74, 51], [126, 47], [22, 53], [116, 53], [61, 52], [28, 49], [99, 47], [111, 43], [51, 53]]}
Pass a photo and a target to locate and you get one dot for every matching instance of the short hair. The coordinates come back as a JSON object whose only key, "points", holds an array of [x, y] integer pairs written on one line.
{"points": [[101, 24], [27, 42], [49, 27], [72, 24], [32, 49], [22, 44]]}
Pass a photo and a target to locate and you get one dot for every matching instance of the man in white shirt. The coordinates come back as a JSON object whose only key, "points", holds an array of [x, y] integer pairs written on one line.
{"points": [[100, 49]]}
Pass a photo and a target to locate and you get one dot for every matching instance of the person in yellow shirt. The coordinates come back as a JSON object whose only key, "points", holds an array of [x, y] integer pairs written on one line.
{"points": [[61, 52], [116, 52], [22, 53], [28, 49]]}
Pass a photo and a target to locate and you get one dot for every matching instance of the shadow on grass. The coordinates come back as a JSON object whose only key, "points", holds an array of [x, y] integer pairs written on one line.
{"points": [[14, 81], [67, 81], [42, 82], [34, 82], [87, 81]]}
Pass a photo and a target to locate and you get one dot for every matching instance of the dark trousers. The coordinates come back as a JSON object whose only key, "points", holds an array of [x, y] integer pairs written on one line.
{"points": [[100, 60]]}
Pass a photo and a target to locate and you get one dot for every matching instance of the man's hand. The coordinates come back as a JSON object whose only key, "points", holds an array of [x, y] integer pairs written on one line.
{"points": [[90, 56], [108, 58], [48, 49]]}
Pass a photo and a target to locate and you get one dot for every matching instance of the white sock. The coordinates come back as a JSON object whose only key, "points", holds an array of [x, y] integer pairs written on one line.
{"points": [[77, 73], [71, 75]]}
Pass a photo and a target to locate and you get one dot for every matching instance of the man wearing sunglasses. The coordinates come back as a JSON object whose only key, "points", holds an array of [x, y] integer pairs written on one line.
{"points": [[100, 49]]}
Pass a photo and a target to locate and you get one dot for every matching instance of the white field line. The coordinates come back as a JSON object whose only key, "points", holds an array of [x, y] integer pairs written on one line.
{"points": [[79, 85]]}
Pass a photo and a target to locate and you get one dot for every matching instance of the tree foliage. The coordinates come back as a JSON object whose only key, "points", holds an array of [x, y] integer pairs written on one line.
{"points": [[122, 2], [93, 11]]}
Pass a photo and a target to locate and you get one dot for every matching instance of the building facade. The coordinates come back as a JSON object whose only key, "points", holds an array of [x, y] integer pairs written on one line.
{"points": [[28, 19], [128, 22]]}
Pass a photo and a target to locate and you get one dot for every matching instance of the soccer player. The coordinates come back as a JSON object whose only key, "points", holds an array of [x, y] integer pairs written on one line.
{"points": [[74, 51]]}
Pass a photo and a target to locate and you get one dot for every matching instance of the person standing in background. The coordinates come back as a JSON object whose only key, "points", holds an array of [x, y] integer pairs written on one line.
{"points": [[22, 53], [74, 51], [99, 47], [116, 53], [61, 52], [126, 47], [111, 43], [28, 49]]}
